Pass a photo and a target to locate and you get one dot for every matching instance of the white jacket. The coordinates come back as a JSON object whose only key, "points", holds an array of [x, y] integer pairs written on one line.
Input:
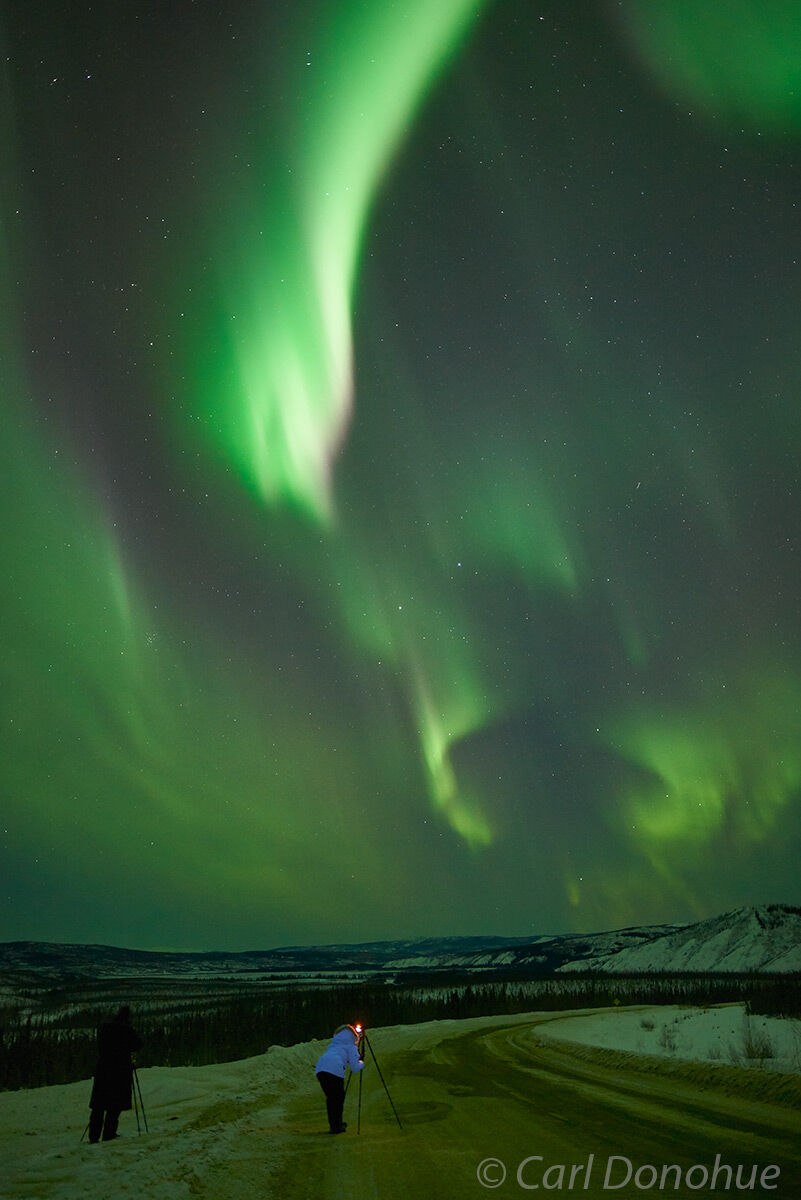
{"points": [[341, 1053]]}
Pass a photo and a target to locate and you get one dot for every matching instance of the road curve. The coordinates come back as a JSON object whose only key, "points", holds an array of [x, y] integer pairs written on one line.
{"points": [[532, 1116]]}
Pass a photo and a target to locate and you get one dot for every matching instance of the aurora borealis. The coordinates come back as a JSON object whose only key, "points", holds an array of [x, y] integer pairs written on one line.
{"points": [[399, 468]]}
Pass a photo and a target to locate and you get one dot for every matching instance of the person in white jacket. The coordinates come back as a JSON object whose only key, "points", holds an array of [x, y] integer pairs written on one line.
{"points": [[342, 1052]]}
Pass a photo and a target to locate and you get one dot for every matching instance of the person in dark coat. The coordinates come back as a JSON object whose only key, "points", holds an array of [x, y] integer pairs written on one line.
{"points": [[113, 1082]]}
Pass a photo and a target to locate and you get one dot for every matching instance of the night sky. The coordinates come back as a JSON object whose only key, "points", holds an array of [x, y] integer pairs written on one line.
{"points": [[399, 467]]}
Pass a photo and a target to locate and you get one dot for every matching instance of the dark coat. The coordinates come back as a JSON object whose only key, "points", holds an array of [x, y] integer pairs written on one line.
{"points": [[116, 1042]]}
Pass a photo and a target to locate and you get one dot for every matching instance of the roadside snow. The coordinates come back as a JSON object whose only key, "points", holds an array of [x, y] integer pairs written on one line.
{"points": [[724, 1034], [205, 1123], [218, 1110], [228, 1130]]}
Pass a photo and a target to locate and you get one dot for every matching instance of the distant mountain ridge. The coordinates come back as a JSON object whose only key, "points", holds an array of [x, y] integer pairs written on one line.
{"points": [[96, 961], [765, 938], [753, 939]]}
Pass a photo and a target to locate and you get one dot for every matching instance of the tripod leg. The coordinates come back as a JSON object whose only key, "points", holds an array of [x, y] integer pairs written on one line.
{"points": [[141, 1101], [359, 1117], [135, 1105], [381, 1077]]}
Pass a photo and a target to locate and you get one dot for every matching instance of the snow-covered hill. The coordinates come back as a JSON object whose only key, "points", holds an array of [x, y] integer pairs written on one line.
{"points": [[542, 954], [767, 938], [34, 962], [748, 939]]}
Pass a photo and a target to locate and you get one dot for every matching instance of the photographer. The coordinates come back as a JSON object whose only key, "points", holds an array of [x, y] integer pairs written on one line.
{"points": [[111, 1092], [342, 1052]]}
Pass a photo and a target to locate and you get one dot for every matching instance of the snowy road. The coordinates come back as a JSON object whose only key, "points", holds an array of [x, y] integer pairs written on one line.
{"points": [[499, 1095], [467, 1092]]}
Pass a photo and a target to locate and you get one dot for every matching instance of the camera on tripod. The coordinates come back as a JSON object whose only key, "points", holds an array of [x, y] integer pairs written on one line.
{"points": [[363, 1043]]}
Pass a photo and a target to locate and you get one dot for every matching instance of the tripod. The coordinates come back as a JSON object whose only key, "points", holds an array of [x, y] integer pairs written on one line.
{"points": [[138, 1107], [138, 1103], [365, 1041]]}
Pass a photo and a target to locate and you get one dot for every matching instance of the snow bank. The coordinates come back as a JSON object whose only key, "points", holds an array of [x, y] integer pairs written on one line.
{"points": [[722, 1034], [207, 1126], [223, 1112]]}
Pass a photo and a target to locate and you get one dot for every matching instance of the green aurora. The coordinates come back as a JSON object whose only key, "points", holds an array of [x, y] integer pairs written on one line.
{"points": [[400, 470]]}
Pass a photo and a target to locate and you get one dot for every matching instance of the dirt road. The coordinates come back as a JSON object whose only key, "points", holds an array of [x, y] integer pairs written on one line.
{"points": [[500, 1097]]}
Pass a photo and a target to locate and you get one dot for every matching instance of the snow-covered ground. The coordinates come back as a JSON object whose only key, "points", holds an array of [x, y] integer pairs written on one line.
{"points": [[723, 1034], [220, 1111], [206, 1124], [253, 1128]]}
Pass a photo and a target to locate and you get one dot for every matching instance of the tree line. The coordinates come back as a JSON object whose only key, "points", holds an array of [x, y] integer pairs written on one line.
{"points": [[60, 1047]]}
